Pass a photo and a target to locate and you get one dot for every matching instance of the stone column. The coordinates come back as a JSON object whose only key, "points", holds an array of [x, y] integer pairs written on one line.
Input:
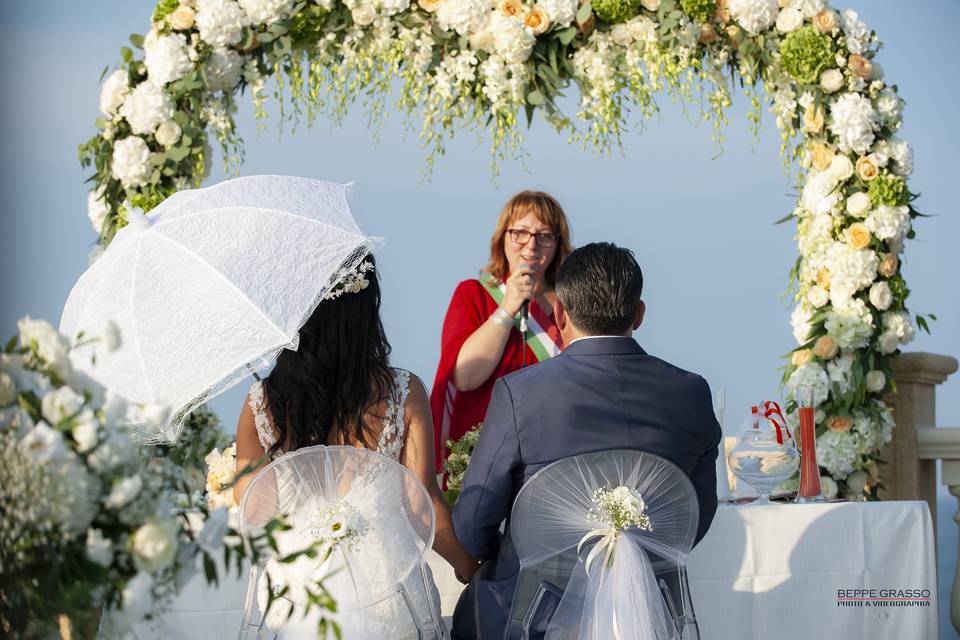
{"points": [[905, 474]]}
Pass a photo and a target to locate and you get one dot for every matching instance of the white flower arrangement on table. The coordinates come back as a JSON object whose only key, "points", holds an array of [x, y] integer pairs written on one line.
{"points": [[93, 524], [463, 64], [615, 510]]}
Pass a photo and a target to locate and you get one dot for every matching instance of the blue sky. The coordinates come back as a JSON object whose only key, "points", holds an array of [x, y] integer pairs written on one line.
{"points": [[702, 227]]}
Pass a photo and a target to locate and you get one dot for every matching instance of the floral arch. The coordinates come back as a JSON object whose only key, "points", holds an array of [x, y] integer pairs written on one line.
{"points": [[487, 65]]}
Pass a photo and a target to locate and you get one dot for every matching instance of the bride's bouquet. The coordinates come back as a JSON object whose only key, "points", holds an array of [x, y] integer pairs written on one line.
{"points": [[455, 466]]}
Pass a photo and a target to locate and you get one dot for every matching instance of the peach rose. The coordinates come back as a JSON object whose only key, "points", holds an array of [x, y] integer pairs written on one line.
{"points": [[801, 357], [867, 168], [733, 32], [430, 6], [823, 278], [826, 21], [812, 119], [825, 348], [839, 423], [858, 236], [860, 66], [707, 33], [888, 265], [722, 14], [512, 8], [537, 21], [822, 157], [181, 19]]}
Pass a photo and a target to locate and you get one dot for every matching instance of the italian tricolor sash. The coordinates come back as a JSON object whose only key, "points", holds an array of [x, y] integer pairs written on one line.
{"points": [[543, 345]]}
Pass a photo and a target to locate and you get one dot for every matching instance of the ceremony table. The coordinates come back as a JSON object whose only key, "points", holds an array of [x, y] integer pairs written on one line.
{"points": [[851, 570]]}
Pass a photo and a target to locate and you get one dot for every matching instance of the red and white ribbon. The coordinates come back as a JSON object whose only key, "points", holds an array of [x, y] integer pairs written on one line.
{"points": [[771, 411]]}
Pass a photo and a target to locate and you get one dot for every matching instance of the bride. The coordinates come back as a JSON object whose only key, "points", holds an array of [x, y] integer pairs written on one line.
{"points": [[338, 388]]}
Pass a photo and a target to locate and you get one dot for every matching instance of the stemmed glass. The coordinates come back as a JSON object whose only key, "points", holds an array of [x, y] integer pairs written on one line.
{"points": [[723, 481], [762, 458]]}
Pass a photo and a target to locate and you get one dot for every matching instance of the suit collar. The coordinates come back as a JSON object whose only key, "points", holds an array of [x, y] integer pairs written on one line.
{"points": [[611, 345]]}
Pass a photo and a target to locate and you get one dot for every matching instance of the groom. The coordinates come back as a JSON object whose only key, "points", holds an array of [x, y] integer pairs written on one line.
{"points": [[603, 392]]}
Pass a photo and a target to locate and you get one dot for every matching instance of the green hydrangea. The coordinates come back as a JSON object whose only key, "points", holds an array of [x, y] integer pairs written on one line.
{"points": [[806, 53], [887, 189], [307, 24], [164, 8], [615, 11], [701, 11], [149, 198]]}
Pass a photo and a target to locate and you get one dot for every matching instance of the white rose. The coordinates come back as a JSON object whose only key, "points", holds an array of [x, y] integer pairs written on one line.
{"points": [[880, 295], [146, 108], [166, 57], [817, 296], [650, 5], [99, 549], [364, 14], [155, 545], [876, 381], [49, 344], [887, 343], [393, 7], [831, 80], [130, 161], [858, 204], [124, 492], [42, 444], [621, 34], [841, 167], [114, 91], [642, 28], [789, 20], [168, 133], [86, 431], [60, 404], [97, 209]]}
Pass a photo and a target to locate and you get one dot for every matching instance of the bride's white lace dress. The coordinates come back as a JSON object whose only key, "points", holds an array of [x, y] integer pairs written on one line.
{"points": [[385, 553]]}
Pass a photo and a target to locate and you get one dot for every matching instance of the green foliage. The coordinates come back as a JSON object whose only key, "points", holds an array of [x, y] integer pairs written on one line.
{"points": [[307, 25], [164, 8], [806, 53], [889, 190], [701, 11], [614, 11]]}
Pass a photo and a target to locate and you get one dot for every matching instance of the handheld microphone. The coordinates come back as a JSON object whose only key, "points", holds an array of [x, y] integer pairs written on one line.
{"points": [[524, 309]]}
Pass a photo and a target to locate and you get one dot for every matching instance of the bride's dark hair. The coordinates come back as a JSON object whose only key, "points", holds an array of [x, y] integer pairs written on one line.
{"points": [[339, 371]]}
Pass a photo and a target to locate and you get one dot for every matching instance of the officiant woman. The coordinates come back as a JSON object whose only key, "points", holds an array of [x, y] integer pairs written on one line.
{"points": [[481, 339]]}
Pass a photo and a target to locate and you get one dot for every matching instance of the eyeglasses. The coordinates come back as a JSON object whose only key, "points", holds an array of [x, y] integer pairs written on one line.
{"points": [[522, 236]]}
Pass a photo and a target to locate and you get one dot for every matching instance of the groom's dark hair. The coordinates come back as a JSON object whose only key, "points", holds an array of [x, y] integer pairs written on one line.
{"points": [[599, 285]]}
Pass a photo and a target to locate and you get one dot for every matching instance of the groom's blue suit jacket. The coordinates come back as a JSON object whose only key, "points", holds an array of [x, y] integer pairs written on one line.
{"points": [[600, 393]]}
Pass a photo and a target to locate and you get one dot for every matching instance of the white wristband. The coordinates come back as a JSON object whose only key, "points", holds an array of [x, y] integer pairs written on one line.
{"points": [[502, 318]]}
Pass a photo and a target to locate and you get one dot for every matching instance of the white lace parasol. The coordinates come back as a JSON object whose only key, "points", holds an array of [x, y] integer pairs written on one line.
{"points": [[210, 286]]}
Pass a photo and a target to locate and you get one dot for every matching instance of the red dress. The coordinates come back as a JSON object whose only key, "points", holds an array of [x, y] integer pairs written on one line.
{"points": [[455, 412]]}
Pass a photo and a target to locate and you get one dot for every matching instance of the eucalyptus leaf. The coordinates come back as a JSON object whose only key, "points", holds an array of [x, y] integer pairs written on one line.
{"points": [[535, 98], [583, 14], [136, 40], [567, 35]]}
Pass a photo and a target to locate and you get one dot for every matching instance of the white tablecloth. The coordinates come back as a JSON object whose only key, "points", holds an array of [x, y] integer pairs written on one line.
{"points": [[760, 572]]}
